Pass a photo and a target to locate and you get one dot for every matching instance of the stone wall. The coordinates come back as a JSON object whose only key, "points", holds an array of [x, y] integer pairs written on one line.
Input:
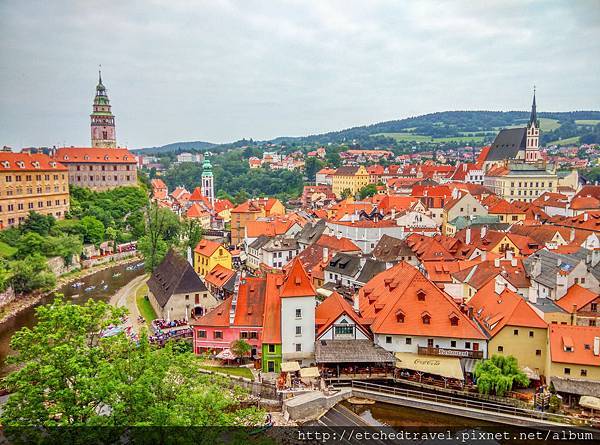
{"points": [[7, 296]]}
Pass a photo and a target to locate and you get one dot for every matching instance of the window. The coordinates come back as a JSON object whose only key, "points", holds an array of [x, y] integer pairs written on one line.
{"points": [[201, 334], [408, 341], [298, 330], [531, 333], [253, 335], [218, 334], [500, 348], [454, 321], [388, 339], [567, 371], [467, 345], [243, 335], [430, 342], [426, 319], [271, 348], [538, 352], [298, 313], [453, 343], [594, 307], [516, 332], [399, 317], [298, 347], [583, 373], [344, 330], [421, 295]]}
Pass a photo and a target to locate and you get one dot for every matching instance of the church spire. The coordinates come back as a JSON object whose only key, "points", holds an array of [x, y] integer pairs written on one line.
{"points": [[533, 120], [102, 119]]}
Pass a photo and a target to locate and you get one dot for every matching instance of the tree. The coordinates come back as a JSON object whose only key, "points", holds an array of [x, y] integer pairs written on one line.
{"points": [[498, 375], [367, 191], [31, 273], [38, 223], [191, 233], [93, 230], [161, 225], [311, 167], [240, 348], [346, 193], [68, 375]]}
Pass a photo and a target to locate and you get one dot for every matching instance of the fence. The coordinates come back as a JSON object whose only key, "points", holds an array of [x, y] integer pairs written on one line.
{"points": [[473, 404]]}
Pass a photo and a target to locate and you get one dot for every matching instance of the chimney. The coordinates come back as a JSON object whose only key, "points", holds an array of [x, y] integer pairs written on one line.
{"points": [[585, 217], [509, 254], [572, 235], [483, 232], [393, 213], [355, 303], [468, 236], [536, 268], [499, 286], [483, 255], [558, 262], [513, 262], [496, 262], [596, 346], [325, 253]]}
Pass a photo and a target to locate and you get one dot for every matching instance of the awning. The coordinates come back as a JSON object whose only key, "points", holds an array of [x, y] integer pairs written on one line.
{"points": [[469, 364], [226, 354], [590, 402], [531, 374], [310, 373], [290, 367], [442, 366]]}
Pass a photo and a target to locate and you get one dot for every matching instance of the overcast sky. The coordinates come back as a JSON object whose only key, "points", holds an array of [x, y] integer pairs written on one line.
{"points": [[219, 71]]}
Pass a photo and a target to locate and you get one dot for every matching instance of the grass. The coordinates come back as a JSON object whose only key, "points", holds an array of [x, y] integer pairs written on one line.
{"points": [[410, 137], [230, 370], [587, 121], [143, 304], [568, 141], [6, 250], [547, 124]]}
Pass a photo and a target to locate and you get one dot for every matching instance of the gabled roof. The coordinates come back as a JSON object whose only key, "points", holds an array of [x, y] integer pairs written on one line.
{"points": [[310, 233], [207, 247], [332, 308], [391, 249], [297, 282], [479, 275], [272, 315], [576, 298], [69, 155], [337, 244], [174, 275], [507, 309], [196, 195], [399, 289], [196, 211], [28, 162], [577, 337], [507, 144], [505, 208], [219, 276]]}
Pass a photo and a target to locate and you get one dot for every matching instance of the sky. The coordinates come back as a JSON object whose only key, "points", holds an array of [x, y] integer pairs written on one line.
{"points": [[219, 70]]}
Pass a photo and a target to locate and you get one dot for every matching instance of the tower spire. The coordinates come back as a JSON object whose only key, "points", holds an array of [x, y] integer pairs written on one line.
{"points": [[99, 74], [533, 120]]}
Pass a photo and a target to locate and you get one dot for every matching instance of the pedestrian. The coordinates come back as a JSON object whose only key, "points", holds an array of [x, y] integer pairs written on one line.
{"points": [[259, 376]]}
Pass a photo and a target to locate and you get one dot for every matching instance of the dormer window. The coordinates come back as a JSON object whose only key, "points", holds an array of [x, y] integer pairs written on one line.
{"points": [[5, 164], [125, 157], [426, 318], [453, 320], [36, 164], [20, 164], [86, 157], [106, 157], [400, 316], [421, 295], [65, 157]]}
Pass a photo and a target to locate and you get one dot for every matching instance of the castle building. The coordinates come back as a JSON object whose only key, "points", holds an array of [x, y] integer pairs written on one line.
{"points": [[31, 182], [102, 119], [103, 166]]}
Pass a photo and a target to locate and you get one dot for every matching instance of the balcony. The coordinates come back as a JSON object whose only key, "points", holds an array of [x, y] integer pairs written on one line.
{"points": [[461, 353]]}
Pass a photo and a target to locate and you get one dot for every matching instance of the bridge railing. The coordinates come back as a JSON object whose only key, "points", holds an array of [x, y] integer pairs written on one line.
{"points": [[474, 404]]}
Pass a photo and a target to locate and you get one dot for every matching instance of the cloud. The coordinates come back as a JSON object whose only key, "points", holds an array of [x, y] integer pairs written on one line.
{"points": [[223, 70]]}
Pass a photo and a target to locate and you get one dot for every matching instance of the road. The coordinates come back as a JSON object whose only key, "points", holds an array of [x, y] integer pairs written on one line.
{"points": [[125, 297]]}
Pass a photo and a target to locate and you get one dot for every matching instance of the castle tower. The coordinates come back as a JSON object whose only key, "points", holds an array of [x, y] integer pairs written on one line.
{"points": [[102, 119], [532, 147], [208, 188]]}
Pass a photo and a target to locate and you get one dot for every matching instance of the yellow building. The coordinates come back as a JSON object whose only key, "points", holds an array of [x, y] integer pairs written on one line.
{"points": [[31, 183], [349, 178], [521, 181], [251, 210], [574, 352], [208, 254], [513, 326]]}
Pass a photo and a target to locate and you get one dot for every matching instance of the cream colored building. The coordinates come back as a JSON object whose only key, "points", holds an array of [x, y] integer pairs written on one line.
{"points": [[521, 181], [31, 183]]}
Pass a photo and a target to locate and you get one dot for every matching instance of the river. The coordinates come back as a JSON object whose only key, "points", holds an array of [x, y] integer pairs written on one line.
{"points": [[105, 284]]}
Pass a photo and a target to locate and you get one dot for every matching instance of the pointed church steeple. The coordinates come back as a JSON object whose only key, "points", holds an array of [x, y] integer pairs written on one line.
{"points": [[102, 119], [533, 120]]}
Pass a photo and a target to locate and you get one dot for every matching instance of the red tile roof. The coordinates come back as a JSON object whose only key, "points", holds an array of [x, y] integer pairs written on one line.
{"points": [[207, 247], [196, 211], [576, 298], [297, 282], [272, 315], [396, 202], [72, 155], [507, 309], [219, 276], [396, 292], [28, 162], [332, 308], [577, 337], [335, 244]]}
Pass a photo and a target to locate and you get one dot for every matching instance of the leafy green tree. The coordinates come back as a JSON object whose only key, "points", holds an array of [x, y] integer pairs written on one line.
{"points": [[499, 374], [191, 233], [333, 158], [63, 246], [162, 225], [93, 230], [240, 348], [346, 193], [38, 223], [68, 375], [311, 166], [29, 244], [5, 275], [367, 191], [31, 273]]}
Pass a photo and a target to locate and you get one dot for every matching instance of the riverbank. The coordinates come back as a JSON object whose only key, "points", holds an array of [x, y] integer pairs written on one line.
{"points": [[24, 302]]}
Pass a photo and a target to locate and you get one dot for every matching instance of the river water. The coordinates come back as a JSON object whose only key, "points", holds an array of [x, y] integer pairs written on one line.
{"points": [[105, 284]]}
